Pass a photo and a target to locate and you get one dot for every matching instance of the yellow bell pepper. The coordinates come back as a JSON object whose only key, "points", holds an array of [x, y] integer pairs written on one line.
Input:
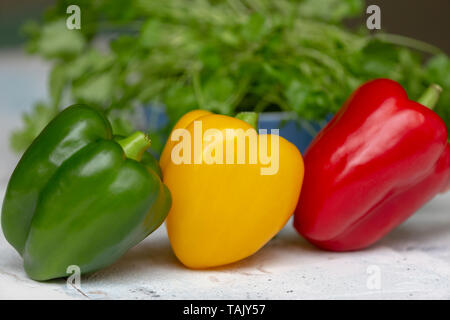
{"points": [[222, 213]]}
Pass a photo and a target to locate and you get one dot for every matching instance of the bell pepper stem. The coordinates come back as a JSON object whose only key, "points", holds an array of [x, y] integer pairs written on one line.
{"points": [[250, 117], [431, 96], [135, 145]]}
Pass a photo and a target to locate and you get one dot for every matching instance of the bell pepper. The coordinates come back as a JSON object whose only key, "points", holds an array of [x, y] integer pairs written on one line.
{"points": [[78, 197], [223, 213], [379, 160]]}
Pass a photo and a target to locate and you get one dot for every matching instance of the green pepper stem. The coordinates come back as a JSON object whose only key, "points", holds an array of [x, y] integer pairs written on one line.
{"points": [[250, 117], [431, 96], [135, 145]]}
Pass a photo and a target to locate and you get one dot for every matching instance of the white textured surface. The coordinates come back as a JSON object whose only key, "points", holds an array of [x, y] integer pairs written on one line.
{"points": [[414, 260]]}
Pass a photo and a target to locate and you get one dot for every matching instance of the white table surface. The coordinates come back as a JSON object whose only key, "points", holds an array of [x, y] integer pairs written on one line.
{"points": [[414, 260]]}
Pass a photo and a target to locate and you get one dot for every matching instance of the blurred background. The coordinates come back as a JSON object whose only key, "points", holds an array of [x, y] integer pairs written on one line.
{"points": [[246, 61], [424, 20], [145, 62]]}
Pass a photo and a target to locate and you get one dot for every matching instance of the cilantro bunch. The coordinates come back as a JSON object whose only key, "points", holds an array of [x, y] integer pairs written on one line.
{"points": [[221, 55]]}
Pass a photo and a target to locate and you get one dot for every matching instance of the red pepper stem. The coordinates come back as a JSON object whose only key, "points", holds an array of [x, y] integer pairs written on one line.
{"points": [[250, 117], [431, 96], [135, 145]]}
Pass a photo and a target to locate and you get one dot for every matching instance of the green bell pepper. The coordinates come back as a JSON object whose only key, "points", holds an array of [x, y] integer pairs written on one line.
{"points": [[79, 197]]}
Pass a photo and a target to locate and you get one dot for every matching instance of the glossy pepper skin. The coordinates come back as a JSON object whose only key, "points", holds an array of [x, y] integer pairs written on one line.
{"points": [[380, 159], [77, 197], [223, 213]]}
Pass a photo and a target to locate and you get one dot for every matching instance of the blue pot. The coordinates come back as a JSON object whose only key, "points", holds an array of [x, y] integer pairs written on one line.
{"points": [[299, 132]]}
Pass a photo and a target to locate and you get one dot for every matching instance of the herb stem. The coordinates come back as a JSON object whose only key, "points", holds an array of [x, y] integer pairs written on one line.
{"points": [[400, 40]]}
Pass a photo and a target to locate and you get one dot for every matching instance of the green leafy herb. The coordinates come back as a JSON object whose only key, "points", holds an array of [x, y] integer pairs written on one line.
{"points": [[222, 55]]}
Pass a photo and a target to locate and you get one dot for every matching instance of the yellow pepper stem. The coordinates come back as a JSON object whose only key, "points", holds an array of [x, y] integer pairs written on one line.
{"points": [[250, 117]]}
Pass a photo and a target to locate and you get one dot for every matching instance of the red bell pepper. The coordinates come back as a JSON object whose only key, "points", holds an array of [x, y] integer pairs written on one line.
{"points": [[380, 159]]}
